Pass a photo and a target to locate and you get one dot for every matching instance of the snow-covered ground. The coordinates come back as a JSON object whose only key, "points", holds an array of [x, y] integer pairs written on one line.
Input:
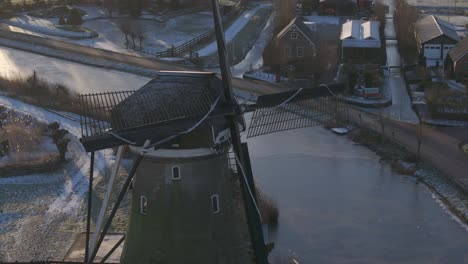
{"points": [[45, 26], [254, 58], [157, 36], [456, 86], [33, 207], [332, 20], [263, 76], [234, 29], [80, 78]]}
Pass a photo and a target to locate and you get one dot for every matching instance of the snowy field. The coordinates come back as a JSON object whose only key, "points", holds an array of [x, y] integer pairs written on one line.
{"points": [[254, 58], [33, 206], [234, 29], [158, 36], [45, 26], [80, 78]]}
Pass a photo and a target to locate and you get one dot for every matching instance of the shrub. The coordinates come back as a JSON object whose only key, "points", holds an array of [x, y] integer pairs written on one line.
{"points": [[22, 139], [268, 209], [36, 91], [75, 18]]}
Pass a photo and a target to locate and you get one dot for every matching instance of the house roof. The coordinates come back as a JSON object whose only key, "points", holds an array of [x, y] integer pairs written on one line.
{"points": [[460, 50], [432, 27], [361, 34], [301, 26]]}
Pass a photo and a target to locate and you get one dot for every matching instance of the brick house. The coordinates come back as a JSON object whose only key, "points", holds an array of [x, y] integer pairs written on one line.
{"points": [[457, 61], [435, 38], [295, 46]]}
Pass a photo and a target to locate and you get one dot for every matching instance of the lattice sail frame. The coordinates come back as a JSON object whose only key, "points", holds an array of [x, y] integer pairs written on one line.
{"points": [[299, 114]]}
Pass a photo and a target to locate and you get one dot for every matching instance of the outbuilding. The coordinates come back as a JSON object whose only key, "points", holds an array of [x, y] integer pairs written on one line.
{"points": [[435, 38], [360, 41]]}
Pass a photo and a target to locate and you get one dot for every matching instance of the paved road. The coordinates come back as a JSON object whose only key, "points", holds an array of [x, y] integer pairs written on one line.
{"points": [[438, 148]]}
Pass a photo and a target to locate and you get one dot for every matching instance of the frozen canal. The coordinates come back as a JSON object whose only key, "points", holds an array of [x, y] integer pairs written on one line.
{"points": [[339, 204], [80, 78]]}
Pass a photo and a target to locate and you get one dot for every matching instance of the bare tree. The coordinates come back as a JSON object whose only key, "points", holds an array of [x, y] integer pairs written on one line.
{"points": [[109, 5], [133, 36], [141, 36], [405, 19], [379, 9], [139, 32], [326, 55], [125, 27], [286, 11]]}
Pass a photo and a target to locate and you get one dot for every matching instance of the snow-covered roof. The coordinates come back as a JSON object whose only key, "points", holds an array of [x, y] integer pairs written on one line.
{"points": [[361, 34], [432, 27]]}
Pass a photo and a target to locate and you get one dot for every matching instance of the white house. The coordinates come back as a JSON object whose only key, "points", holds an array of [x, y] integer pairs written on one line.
{"points": [[435, 38]]}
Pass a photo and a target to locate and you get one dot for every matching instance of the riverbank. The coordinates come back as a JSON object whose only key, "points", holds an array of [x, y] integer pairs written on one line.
{"points": [[405, 162]]}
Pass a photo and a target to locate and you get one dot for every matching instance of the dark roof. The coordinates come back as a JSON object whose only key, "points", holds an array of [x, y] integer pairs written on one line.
{"points": [[432, 27], [299, 23], [168, 97], [460, 50]]}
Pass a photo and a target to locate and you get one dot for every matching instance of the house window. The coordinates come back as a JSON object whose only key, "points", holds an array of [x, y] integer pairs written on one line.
{"points": [[300, 52], [215, 204], [143, 205], [288, 52], [176, 173], [293, 35], [437, 47]]}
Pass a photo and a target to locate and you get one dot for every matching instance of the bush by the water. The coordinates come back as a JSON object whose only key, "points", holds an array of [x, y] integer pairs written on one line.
{"points": [[268, 209]]}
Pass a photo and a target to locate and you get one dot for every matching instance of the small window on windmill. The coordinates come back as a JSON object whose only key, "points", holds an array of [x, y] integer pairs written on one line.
{"points": [[143, 205], [215, 204], [176, 173]]}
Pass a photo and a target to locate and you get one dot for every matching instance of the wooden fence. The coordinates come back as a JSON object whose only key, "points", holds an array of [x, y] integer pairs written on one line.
{"points": [[188, 46]]}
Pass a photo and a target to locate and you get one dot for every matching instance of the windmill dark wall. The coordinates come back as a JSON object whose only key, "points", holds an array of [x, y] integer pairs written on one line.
{"points": [[182, 222]]}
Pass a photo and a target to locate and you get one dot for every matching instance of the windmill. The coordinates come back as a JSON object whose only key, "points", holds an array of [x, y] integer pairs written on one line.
{"points": [[182, 126]]}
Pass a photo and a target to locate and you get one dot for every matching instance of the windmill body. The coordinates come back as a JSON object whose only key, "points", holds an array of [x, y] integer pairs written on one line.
{"points": [[184, 207], [184, 210]]}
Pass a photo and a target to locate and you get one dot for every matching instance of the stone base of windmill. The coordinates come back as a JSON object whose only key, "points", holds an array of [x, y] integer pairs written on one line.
{"points": [[77, 250]]}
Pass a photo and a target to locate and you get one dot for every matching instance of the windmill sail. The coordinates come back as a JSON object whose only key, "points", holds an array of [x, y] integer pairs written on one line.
{"points": [[297, 109]]}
